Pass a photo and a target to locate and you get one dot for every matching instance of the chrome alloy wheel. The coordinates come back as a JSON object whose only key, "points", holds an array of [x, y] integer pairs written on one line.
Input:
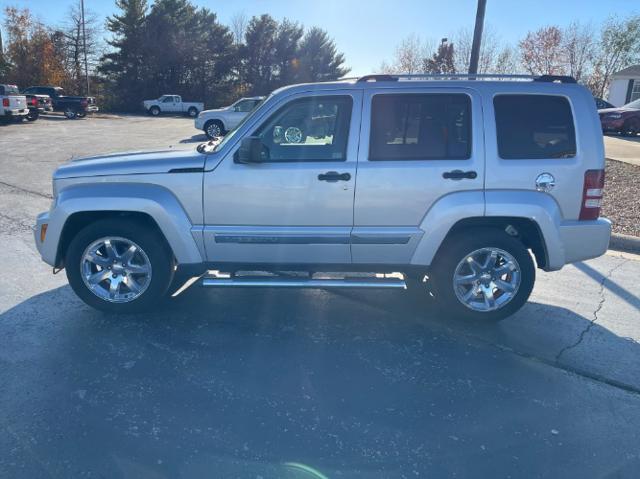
{"points": [[115, 269], [214, 130], [486, 279], [293, 134]]}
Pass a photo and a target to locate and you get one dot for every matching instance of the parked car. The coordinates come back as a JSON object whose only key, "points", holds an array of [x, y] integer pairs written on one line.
{"points": [[601, 104], [14, 105], [71, 106], [624, 120], [172, 104], [456, 189], [218, 122], [37, 104]]}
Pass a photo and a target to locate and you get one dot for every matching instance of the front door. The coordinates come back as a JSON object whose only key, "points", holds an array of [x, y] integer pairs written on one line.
{"points": [[296, 205], [418, 145]]}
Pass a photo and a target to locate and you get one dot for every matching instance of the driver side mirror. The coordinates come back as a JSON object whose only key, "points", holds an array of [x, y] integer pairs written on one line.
{"points": [[251, 151]]}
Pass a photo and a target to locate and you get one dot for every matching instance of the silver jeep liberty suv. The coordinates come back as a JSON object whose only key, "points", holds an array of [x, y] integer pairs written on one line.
{"points": [[455, 185]]}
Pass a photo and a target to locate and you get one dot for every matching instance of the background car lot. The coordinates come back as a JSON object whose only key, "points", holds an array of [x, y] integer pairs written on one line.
{"points": [[365, 384]]}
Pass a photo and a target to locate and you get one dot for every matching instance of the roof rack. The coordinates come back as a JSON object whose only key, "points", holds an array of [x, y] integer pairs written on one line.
{"points": [[466, 76]]}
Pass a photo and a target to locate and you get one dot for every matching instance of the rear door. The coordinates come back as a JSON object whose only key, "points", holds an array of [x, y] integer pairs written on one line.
{"points": [[417, 145]]}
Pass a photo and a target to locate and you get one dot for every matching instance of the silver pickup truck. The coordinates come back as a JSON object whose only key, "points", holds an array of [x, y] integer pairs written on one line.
{"points": [[14, 105], [447, 186]]}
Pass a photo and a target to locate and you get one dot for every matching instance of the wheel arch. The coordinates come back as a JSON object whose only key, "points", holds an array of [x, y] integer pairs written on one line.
{"points": [[534, 216], [153, 204]]}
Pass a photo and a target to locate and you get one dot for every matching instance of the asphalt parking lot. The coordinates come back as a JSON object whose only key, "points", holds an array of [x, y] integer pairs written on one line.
{"points": [[299, 384]]}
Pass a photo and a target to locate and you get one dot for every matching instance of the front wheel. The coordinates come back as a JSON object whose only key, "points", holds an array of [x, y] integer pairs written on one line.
{"points": [[154, 111], [119, 266], [214, 129], [482, 274]]}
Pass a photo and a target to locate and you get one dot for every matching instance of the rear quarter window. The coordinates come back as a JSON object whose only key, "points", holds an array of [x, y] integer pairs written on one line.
{"points": [[534, 127]]}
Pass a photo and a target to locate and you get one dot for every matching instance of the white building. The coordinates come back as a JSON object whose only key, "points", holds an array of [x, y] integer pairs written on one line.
{"points": [[625, 86]]}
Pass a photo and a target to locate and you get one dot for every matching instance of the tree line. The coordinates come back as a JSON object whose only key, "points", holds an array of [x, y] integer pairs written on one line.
{"points": [[172, 46], [591, 54]]}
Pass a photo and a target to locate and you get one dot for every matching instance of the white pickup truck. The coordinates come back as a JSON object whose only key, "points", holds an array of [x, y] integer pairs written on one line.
{"points": [[14, 105], [172, 104]]}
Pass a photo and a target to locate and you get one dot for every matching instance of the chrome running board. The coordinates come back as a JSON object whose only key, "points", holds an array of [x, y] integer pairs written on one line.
{"points": [[288, 282]]}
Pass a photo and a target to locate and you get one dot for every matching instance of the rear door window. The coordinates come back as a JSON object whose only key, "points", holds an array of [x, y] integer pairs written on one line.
{"points": [[534, 127], [420, 127]]}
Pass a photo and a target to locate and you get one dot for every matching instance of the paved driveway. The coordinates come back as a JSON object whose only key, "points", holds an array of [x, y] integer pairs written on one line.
{"points": [[300, 384], [623, 148]]}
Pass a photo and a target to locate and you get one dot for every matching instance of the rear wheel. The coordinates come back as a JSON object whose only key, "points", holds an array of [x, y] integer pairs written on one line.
{"points": [[119, 266], [33, 115], [81, 114], [70, 113], [482, 274], [192, 112]]}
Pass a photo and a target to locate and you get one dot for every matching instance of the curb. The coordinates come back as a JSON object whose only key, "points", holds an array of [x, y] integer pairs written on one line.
{"points": [[626, 243]]}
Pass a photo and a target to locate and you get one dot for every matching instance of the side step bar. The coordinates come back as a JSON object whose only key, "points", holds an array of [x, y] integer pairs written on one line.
{"points": [[393, 283]]}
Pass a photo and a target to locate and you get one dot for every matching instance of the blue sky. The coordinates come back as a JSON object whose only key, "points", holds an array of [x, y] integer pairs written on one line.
{"points": [[368, 31]]}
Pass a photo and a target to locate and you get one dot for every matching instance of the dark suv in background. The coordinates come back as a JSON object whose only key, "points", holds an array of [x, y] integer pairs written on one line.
{"points": [[71, 106], [624, 120]]}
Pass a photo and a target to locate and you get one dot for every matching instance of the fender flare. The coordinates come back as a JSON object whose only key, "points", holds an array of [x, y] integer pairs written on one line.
{"points": [[155, 201], [538, 207]]}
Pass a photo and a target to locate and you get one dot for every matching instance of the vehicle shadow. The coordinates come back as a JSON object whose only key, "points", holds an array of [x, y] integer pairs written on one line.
{"points": [[272, 383], [195, 139]]}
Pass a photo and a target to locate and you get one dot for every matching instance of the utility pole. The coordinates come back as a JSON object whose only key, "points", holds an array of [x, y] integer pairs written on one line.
{"points": [[477, 37], [84, 46]]}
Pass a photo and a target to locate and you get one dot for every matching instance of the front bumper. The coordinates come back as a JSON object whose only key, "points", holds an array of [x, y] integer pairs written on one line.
{"points": [[611, 124], [199, 123], [48, 248]]}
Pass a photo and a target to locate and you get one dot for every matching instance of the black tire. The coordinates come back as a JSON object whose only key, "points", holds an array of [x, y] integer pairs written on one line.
{"points": [[81, 114], [631, 127], [148, 239], [33, 115], [211, 127], [154, 111], [456, 248], [192, 112], [70, 113]]}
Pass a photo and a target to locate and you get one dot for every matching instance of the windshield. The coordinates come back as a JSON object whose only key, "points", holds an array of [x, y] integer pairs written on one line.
{"points": [[11, 90], [634, 104], [212, 146]]}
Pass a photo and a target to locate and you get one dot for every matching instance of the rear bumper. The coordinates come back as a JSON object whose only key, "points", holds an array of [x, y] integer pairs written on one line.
{"points": [[91, 109], [16, 112], [584, 239]]}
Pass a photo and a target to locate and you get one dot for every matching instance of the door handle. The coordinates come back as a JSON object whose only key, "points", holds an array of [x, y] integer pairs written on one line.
{"points": [[459, 175], [332, 176]]}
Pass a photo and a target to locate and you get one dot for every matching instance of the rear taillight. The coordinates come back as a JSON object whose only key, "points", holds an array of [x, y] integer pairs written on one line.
{"points": [[592, 194], [5, 102], [84, 103], [34, 101]]}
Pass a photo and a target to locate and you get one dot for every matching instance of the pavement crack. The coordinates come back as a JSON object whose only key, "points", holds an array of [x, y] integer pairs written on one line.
{"points": [[594, 319], [25, 190]]}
